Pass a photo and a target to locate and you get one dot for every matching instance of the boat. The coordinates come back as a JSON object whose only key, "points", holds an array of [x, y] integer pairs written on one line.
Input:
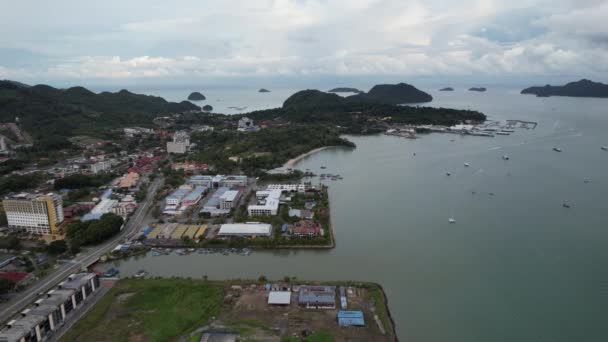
{"points": [[466, 165], [112, 272], [451, 220], [605, 148], [505, 157], [140, 274], [503, 133], [566, 205], [324, 167], [557, 149], [586, 181], [447, 173]]}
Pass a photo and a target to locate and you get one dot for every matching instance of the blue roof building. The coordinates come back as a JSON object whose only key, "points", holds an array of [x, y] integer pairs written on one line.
{"points": [[351, 319]]}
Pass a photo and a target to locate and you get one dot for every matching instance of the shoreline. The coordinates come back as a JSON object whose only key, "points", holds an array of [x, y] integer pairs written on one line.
{"points": [[293, 161]]}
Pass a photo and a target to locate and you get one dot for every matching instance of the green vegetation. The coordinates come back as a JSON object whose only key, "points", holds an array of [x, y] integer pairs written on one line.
{"points": [[196, 96], [150, 310], [57, 247], [81, 181], [10, 242], [263, 150], [94, 231], [6, 286], [52, 115], [582, 88], [14, 183]]}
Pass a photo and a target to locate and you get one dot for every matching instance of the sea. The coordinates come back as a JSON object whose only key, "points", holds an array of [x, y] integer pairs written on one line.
{"points": [[517, 265]]}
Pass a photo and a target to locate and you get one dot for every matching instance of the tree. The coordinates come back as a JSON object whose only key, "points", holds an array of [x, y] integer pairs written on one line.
{"points": [[5, 286], [262, 279], [75, 246], [57, 247]]}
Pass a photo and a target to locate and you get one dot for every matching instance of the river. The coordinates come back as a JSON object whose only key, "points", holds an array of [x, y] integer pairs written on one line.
{"points": [[516, 265]]}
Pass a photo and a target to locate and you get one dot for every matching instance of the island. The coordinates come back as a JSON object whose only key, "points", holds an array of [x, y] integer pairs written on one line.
{"points": [[478, 89], [263, 91], [345, 90], [196, 96], [207, 108], [582, 88], [394, 94], [447, 89], [243, 310]]}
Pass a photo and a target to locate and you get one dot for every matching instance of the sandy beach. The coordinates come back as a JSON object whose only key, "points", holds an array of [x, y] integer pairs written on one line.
{"points": [[292, 162]]}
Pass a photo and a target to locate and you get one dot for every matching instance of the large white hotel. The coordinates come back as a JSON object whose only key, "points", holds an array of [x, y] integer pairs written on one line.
{"points": [[35, 213]]}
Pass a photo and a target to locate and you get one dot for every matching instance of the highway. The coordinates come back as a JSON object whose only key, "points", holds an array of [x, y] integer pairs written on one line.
{"points": [[83, 260]]}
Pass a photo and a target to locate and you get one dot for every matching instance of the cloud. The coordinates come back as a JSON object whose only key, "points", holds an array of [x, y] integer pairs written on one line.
{"points": [[244, 38]]}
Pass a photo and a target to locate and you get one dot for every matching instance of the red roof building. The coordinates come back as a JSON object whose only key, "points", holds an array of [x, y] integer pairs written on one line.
{"points": [[14, 277], [307, 228]]}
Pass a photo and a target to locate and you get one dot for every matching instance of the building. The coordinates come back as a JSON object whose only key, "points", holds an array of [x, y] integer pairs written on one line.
{"points": [[105, 206], [245, 124], [3, 145], [47, 314], [287, 187], [180, 143], [124, 209], [230, 199], [190, 167], [248, 229], [351, 319], [268, 203], [212, 206], [307, 228], [279, 298], [128, 181], [317, 297], [194, 196], [219, 181], [35, 213], [100, 166]]}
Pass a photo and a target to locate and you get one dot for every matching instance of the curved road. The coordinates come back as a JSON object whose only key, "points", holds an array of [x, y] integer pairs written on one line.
{"points": [[85, 259]]}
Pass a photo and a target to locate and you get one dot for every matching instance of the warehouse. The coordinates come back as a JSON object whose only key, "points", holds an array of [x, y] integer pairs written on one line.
{"points": [[194, 196], [245, 229], [317, 297], [351, 319], [279, 298]]}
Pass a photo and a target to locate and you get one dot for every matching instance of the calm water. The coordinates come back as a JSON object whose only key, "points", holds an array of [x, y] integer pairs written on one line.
{"points": [[515, 267]]}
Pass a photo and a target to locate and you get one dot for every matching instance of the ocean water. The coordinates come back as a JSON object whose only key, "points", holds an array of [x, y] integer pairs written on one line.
{"points": [[516, 265]]}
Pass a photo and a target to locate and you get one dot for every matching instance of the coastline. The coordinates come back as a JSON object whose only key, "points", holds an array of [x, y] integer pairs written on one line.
{"points": [[293, 161]]}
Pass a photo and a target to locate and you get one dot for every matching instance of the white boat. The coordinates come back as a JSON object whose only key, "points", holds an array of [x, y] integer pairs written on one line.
{"points": [[605, 148], [451, 220], [447, 173], [557, 149], [505, 157], [466, 164], [503, 133]]}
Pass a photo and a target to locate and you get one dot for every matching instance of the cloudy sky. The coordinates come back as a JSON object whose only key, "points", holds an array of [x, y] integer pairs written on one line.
{"points": [[152, 41]]}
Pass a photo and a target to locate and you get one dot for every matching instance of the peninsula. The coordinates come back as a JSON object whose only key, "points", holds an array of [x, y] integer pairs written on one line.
{"points": [[582, 88], [196, 96], [394, 94]]}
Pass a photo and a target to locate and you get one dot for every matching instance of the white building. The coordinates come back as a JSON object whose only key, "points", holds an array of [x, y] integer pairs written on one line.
{"points": [[287, 187], [180, 143], [218, 181], [105, 206], [3, 146], [245, 125], [35, 213], [229, 199], [245, 229], [268, 203], [100, 166]]}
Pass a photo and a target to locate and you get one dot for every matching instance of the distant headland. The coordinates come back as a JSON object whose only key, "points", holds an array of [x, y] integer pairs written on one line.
{"points": [[447, 89], [196, 96], [582, 88], [345, 90], [263, 90], [478, 89]]}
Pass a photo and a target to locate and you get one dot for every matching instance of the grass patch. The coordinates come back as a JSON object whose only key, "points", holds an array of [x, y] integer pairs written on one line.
{"points": [[155, 310], [320, 336]]}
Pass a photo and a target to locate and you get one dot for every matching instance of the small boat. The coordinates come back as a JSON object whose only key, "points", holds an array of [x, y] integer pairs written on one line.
{"points": [[503, 133], [566, 205], [140, 274], [112, 272], [586, 181], [447, 174], [505, 157], [324, 167], [466, 165], [451, 220], [557, 149], [605, 148]]}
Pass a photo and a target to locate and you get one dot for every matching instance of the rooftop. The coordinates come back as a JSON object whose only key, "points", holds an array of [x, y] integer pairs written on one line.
{"points": [[279, 297], [245, 229]]}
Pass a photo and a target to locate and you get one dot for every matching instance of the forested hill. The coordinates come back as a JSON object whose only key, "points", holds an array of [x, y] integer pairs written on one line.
{"points": [[317, 107], [45, 111], [582, 88]]}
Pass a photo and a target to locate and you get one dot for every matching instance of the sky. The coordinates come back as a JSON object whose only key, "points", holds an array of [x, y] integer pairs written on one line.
{"points": [[185, 41]]}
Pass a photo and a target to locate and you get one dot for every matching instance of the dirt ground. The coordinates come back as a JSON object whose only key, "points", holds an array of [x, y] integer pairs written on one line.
{"points": [[247, 310]]}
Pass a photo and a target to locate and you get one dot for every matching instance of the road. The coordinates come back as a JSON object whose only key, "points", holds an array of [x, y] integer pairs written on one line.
{"points": [[83, 260]]}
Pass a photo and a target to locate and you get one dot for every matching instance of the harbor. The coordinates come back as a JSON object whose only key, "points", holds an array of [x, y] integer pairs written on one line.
{"points": [[488, 128]]}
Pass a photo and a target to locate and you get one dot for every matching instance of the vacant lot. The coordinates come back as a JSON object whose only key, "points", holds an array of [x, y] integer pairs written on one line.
{"points": [[149, 310]]}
